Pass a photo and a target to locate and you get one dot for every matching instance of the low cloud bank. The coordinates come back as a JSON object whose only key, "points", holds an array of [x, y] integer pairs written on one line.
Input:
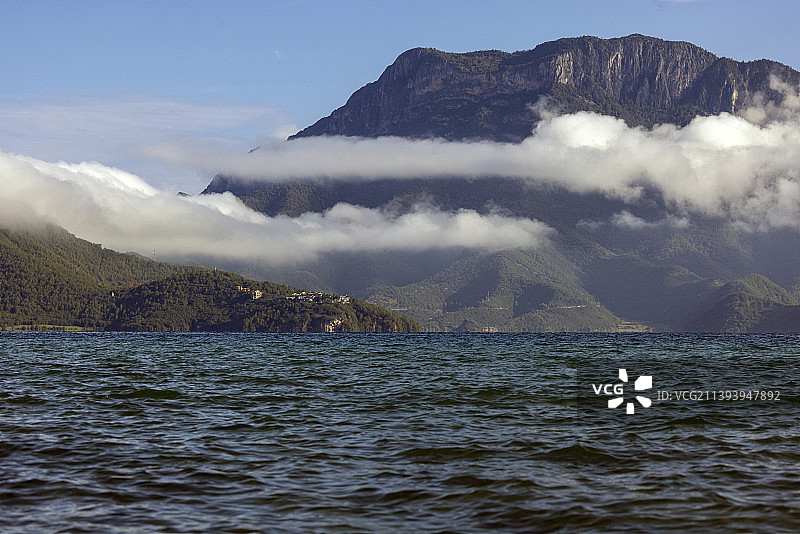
{"points": [[745, 167], [627, 220], [121, 211]]}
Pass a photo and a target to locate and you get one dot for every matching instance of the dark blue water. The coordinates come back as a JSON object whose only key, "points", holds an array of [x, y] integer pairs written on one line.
{"points": [[397, 433]]}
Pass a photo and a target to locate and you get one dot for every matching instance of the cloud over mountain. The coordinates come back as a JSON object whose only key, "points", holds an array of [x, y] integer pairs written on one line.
{"points": [[745, 167], [121, 211]]}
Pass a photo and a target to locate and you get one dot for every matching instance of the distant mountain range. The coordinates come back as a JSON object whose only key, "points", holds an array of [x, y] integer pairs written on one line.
{"points": [[712, 275]]}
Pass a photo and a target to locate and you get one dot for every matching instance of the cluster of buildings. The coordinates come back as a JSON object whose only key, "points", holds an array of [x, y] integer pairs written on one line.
{"points": [[303, 296], [306, 296], [255, 292]]}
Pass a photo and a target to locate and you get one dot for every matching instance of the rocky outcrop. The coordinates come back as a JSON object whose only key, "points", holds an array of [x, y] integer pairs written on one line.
{"points": [[489, 94]]}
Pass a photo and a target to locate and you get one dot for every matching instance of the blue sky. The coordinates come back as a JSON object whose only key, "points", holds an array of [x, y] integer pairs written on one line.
{"points": [[103, 80]]}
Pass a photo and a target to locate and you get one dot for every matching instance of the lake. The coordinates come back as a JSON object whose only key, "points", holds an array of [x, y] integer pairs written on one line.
{"points": [[118, 432]]}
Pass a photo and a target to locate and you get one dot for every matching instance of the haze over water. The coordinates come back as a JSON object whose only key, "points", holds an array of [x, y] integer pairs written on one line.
{"points": [[405, 433]]}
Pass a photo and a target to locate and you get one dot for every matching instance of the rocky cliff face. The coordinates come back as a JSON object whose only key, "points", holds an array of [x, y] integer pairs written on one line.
{"points": [[489, 94]]}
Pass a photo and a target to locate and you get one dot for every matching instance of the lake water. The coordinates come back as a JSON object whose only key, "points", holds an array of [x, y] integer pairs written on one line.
{"points": [[398, 433]]}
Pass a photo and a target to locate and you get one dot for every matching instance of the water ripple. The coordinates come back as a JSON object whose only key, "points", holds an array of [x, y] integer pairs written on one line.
{"points": [[354, 433]]}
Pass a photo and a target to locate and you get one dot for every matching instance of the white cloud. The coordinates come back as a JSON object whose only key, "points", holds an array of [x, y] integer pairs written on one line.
{"points": [[765, 111], [722, 165], [746, 168], [626, 219], [121, 211]]}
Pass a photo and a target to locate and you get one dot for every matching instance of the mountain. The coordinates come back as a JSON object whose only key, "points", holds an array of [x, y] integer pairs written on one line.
{"points": [[488, 94], [49, 279], [512, 290], [657, 272], [750, 304]]}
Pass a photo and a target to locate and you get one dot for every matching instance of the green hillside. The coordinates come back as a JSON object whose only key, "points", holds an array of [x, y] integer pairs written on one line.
{"points": [[48, 276], [218, 301], [49, 279], [55, 245], [751, 304], [514, 290]]}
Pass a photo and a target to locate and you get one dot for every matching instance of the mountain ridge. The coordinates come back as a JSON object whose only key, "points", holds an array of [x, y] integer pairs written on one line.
{"points": [[488, 94]]}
